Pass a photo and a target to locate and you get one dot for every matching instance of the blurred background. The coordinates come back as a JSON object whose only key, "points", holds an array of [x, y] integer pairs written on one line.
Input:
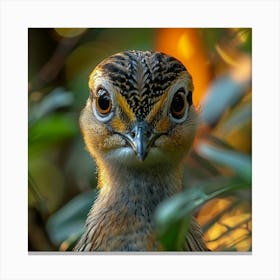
{"points": [[217, 173]]}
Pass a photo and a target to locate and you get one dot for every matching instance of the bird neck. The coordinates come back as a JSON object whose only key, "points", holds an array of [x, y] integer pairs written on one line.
{"points": [[122, 217], [127, 184]]}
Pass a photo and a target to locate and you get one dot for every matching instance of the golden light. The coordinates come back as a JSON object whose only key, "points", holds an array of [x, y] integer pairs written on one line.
{"points": [[226, 56], [69, 32], [241, 34], [187, 46], [233, 225]]}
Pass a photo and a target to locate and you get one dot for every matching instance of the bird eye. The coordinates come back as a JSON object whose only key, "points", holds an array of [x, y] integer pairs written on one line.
{"points": [[178, 104], [103, 102]]}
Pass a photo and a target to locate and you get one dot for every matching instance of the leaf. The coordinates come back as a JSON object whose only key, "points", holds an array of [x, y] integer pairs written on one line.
{"points": [[227, 92], [53, 128], [46, 184], [56, 99], [239, 162], [173, 215], [203, 165], [35, 196], [238, 117], [68, 222]]}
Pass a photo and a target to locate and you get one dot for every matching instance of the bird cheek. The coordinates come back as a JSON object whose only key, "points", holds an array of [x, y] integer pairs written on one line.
{"points": [[178, 141], [118, 125], [162, 142], [163, 125], [167, 143], [94, 133], [102, 140], [113, 142], [183, 139], [94, 138]]}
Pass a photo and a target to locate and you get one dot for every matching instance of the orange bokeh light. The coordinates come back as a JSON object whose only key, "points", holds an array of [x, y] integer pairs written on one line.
{"points": [[233, 227], [187, 46]]}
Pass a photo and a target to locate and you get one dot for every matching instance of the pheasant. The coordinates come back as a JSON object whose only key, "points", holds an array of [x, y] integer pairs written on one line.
{"points": [[138, 124]]}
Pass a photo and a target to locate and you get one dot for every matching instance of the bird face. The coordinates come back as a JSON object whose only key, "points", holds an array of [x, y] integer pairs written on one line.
{"points": [[139, 110]]}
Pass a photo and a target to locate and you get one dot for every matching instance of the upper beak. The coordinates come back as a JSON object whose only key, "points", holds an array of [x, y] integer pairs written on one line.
{"points": [[141, 137]]}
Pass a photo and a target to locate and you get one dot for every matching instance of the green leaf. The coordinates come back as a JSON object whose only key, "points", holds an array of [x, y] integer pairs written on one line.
{"points": [[35, 196], [173, 215], [68, 221], [56, 99], [46, 184], [246, 33], [238, 118], [239, 162], [205, 166], [53, 128], [228, 92]]}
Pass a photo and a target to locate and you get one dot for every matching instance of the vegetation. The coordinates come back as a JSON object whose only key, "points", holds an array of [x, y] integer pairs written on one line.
{"points": [[217, 174]]}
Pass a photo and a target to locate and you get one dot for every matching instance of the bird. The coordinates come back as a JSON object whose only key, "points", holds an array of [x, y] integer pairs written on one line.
{"points": [[139, 123]]}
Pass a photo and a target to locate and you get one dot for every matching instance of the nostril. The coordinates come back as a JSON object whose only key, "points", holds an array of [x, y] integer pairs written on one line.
{"points": [[133, 134], [148, 134]]}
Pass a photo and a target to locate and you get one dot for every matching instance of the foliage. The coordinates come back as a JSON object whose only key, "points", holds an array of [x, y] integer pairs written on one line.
{"points": [[217, 174], [61, 174], [173, 215]]}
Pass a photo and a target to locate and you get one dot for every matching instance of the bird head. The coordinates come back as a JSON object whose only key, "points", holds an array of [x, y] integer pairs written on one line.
{"points": [[139, 111]]}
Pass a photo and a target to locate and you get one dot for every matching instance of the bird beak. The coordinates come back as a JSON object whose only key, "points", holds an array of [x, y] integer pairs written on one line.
{"points": [[141, 137]]}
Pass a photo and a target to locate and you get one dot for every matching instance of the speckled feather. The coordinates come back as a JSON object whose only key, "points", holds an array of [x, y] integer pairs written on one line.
{"points": [[141, 77], [122, 217]]}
